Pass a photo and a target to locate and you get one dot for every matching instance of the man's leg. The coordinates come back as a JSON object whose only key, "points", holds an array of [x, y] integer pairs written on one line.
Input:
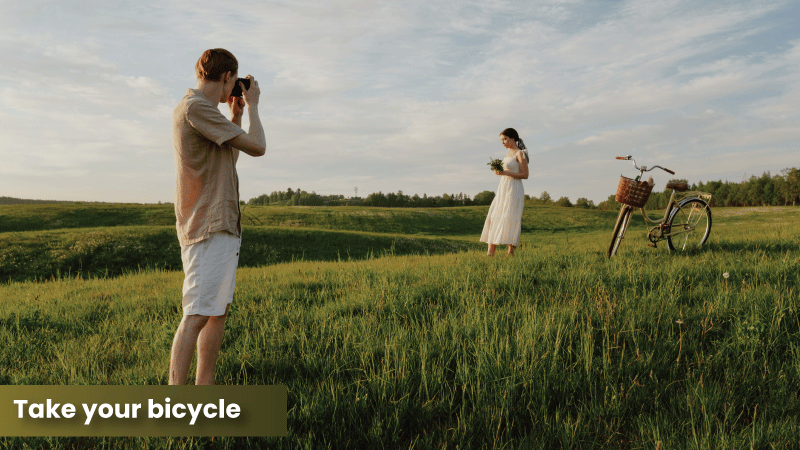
{"points": [[183, 347], [209, 342]]}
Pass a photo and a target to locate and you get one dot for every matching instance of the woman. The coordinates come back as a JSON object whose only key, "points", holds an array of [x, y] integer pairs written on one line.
{"points": [[504, 221]]}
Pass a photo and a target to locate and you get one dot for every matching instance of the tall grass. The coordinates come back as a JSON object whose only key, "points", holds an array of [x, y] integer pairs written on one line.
{"points": [[558, 347]]}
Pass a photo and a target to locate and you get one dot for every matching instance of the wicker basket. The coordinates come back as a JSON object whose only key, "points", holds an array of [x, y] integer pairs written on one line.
{"points": [[633, 193]]}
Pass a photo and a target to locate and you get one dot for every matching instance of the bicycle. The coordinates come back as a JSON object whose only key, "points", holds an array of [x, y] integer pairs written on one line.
{"points": [[687, 218]]}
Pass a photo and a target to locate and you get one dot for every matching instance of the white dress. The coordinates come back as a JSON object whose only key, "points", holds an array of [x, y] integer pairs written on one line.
{"points": [[504, 221]]}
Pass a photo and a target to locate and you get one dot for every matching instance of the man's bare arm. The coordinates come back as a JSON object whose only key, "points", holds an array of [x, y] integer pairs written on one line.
{"points": [[254, 143]]}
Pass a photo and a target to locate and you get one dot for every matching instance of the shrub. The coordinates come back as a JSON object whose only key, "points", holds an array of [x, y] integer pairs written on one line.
{"points": [[484, 198], [563, 201]]}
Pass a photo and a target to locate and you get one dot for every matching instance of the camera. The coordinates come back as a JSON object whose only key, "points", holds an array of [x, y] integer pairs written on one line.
{"points": [[237, 90]]}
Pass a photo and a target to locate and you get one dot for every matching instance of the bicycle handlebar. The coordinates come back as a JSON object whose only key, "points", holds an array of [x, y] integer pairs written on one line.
{"points": [[643, 168]]}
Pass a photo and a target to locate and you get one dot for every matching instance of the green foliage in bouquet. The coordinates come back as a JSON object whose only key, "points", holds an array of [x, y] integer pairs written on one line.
{"points": [[496, 165]]}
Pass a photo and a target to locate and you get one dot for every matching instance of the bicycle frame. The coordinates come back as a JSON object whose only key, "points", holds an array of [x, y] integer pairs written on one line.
{"points": [[674, 200]]}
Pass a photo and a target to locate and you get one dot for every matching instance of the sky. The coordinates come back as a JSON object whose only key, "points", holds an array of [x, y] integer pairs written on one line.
{"points": [[402, 96]]}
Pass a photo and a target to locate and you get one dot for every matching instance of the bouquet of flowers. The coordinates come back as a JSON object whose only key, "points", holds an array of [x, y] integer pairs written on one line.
{"points": [[496, 165]]}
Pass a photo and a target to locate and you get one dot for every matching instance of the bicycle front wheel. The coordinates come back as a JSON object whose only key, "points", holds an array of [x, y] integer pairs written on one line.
{"points": [[623, 220], [689, 225]]}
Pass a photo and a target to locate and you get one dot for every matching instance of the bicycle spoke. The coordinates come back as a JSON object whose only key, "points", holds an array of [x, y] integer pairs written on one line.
{"points": [[689, 219], [689, 226], [699, 215]]}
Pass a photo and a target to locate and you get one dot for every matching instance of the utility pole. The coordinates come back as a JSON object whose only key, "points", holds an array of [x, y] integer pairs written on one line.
{"points": [[356, 189]]}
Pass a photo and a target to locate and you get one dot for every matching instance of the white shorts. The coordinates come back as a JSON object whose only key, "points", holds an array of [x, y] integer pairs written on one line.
{"points": [[210, 269]]}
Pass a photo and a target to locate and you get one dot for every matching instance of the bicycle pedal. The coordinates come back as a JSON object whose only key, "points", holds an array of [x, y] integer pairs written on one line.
{"points": [[652, 245]]}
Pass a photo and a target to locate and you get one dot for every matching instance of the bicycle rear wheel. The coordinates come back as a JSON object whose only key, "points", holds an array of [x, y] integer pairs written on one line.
{"points": [[623, 220], [693, 217]]}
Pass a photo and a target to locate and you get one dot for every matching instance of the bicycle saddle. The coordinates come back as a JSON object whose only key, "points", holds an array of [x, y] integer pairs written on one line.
{"points": [[680, 187]]}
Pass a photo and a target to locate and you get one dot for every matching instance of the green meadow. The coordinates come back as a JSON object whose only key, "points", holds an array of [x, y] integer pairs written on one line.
{"points": [[392, 330]]}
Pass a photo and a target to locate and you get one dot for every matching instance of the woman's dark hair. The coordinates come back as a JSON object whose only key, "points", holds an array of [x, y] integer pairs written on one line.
{"points": [[512, 133], [213, 64]]}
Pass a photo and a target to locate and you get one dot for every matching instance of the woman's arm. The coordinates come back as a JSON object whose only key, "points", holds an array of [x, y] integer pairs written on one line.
{"points": [[523, 166]]}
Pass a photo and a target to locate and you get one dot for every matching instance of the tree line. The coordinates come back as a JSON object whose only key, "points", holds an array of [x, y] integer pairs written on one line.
{"points": [[764, 190], [390, 200], [23, 201]]}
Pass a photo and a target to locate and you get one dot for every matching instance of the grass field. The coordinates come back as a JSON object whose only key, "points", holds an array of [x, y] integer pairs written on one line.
{"points": [[431, 345]]}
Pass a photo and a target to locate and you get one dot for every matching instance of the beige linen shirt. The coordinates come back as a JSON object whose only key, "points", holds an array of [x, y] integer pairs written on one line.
{"points": [[207, 185]]}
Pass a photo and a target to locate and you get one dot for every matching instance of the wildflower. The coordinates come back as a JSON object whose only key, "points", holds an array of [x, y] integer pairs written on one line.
{"points": [[726, 275]]}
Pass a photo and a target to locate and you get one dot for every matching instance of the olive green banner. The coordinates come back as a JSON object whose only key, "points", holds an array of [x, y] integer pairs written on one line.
{"points": [[143, 410]]}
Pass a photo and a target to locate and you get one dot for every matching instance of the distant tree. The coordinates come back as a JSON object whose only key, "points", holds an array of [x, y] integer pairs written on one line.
{"points": [[712, 187], [315, 199], [583, 202], [261, 200], [721, 195], [657, 200], [444, 201], [545, 198], [738, 196], [375, 199], [755, 191], [402, 199], [563, 201], [391, 200], [772, 191], [792, 185], [484, 198], [609, 204]]}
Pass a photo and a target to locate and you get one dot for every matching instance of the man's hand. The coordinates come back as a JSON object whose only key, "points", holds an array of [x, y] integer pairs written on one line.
{"points": [[250, 95], [236, 104]]}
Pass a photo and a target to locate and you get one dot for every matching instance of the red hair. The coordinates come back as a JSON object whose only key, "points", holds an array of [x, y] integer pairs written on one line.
{"points": [[213, 64]]}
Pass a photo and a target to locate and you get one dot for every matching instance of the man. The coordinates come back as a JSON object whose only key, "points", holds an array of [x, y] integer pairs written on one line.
{"points": [[207, 147]]}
